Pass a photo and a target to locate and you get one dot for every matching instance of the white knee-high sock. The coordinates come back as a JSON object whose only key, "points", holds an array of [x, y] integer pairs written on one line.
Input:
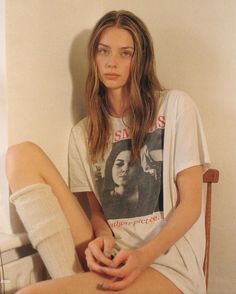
{"points": [[48, 229]]}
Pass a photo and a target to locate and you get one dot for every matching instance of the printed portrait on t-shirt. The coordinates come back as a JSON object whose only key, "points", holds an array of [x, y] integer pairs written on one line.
{"points": [[131, 190]]}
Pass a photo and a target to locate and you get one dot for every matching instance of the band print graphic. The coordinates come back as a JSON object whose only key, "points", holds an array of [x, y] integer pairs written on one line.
{"points": [[131, 190]]}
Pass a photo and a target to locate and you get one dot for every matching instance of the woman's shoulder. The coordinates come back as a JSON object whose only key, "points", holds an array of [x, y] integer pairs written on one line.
{"points": [[176, 96], [176, 99], [81, 127]]}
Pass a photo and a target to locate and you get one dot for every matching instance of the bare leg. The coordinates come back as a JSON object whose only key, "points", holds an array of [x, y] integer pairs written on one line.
{"points": [[27, 164], [149, 282]]}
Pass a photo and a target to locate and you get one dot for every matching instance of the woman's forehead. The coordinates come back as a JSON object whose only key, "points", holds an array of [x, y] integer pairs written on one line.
{"points": [[116, 37], [123, 154]]}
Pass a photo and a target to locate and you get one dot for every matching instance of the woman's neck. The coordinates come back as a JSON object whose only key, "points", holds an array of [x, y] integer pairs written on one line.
{"points": [[118, 102]]}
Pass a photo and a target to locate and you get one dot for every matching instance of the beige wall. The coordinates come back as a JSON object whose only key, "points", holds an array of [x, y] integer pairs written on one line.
{"points": [[196, 52], [46, 68], [195, 43]]}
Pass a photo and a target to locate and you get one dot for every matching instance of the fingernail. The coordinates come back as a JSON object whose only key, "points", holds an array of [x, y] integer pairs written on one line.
{"points": [[112, 265], [107, 254], [103, 270], [103, 286]]}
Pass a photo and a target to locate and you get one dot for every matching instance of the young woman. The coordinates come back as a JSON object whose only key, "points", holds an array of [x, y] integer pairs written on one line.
{"points": [[159, 251]]}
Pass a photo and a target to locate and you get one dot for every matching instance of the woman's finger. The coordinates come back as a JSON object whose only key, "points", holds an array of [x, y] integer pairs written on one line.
{"points": [[120, 272], [119, 284], [114, 272], [91, 262], [124, 283], [121, 258], [98, 254], [121, 266], [108, 246]]}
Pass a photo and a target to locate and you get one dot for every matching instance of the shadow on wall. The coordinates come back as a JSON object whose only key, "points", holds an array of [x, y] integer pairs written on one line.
{"points": [[78, 64]]}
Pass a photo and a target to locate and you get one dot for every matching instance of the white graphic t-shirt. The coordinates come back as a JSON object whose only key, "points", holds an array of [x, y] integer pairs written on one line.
{"points": [[136, 198], [132, 195]]}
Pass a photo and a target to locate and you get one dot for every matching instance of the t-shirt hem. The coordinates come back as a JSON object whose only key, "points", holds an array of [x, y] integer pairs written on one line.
{"points": [[205, 164], [180, 281], [80, 189]]}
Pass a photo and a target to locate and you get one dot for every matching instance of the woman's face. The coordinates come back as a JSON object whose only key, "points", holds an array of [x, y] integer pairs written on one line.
{"points": [[122, 172], [114, 55]]}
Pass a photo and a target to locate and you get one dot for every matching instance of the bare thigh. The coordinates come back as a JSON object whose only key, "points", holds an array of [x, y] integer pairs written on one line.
{"points": [[149, 282]]}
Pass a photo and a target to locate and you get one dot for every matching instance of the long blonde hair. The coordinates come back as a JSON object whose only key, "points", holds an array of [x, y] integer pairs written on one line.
{"points": [[144, 87]]}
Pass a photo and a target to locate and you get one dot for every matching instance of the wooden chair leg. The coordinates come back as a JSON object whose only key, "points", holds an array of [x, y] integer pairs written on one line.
{"points": [[209, 177]]}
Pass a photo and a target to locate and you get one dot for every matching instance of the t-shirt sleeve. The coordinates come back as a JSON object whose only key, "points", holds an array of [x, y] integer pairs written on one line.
{"points": [[190, 141], [78, 180]]}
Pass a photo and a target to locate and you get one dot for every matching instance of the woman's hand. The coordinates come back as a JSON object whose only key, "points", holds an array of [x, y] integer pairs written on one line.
{"points": [[98, 253], [126, 267]]}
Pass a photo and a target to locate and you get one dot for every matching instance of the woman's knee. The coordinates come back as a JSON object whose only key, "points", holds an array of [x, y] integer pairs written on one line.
{"points": [[20, 156], [16, 151], [21, 151]]}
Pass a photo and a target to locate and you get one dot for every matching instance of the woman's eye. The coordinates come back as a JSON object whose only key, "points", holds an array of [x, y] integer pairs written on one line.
{"points": [[126, 54], [119, 163], [103, 51]]}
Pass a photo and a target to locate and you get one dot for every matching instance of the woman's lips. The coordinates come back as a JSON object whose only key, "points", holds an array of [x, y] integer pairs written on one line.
{"points": [[111, 76], [123, 177]]}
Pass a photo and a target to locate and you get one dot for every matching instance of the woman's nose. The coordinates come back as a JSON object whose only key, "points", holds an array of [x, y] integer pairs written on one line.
{"points": [[112, 61], [125, 168]]}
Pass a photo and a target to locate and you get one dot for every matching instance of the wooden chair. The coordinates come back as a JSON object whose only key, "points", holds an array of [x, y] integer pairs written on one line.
{"points": [[209, 177]]}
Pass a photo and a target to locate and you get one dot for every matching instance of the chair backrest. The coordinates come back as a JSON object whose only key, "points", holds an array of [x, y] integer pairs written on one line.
{"points": [[209, 177]]}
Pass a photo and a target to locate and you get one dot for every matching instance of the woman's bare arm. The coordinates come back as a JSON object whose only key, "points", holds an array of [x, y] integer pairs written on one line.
{"points": [[100, 249], [189, 183], [98, 221]]}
